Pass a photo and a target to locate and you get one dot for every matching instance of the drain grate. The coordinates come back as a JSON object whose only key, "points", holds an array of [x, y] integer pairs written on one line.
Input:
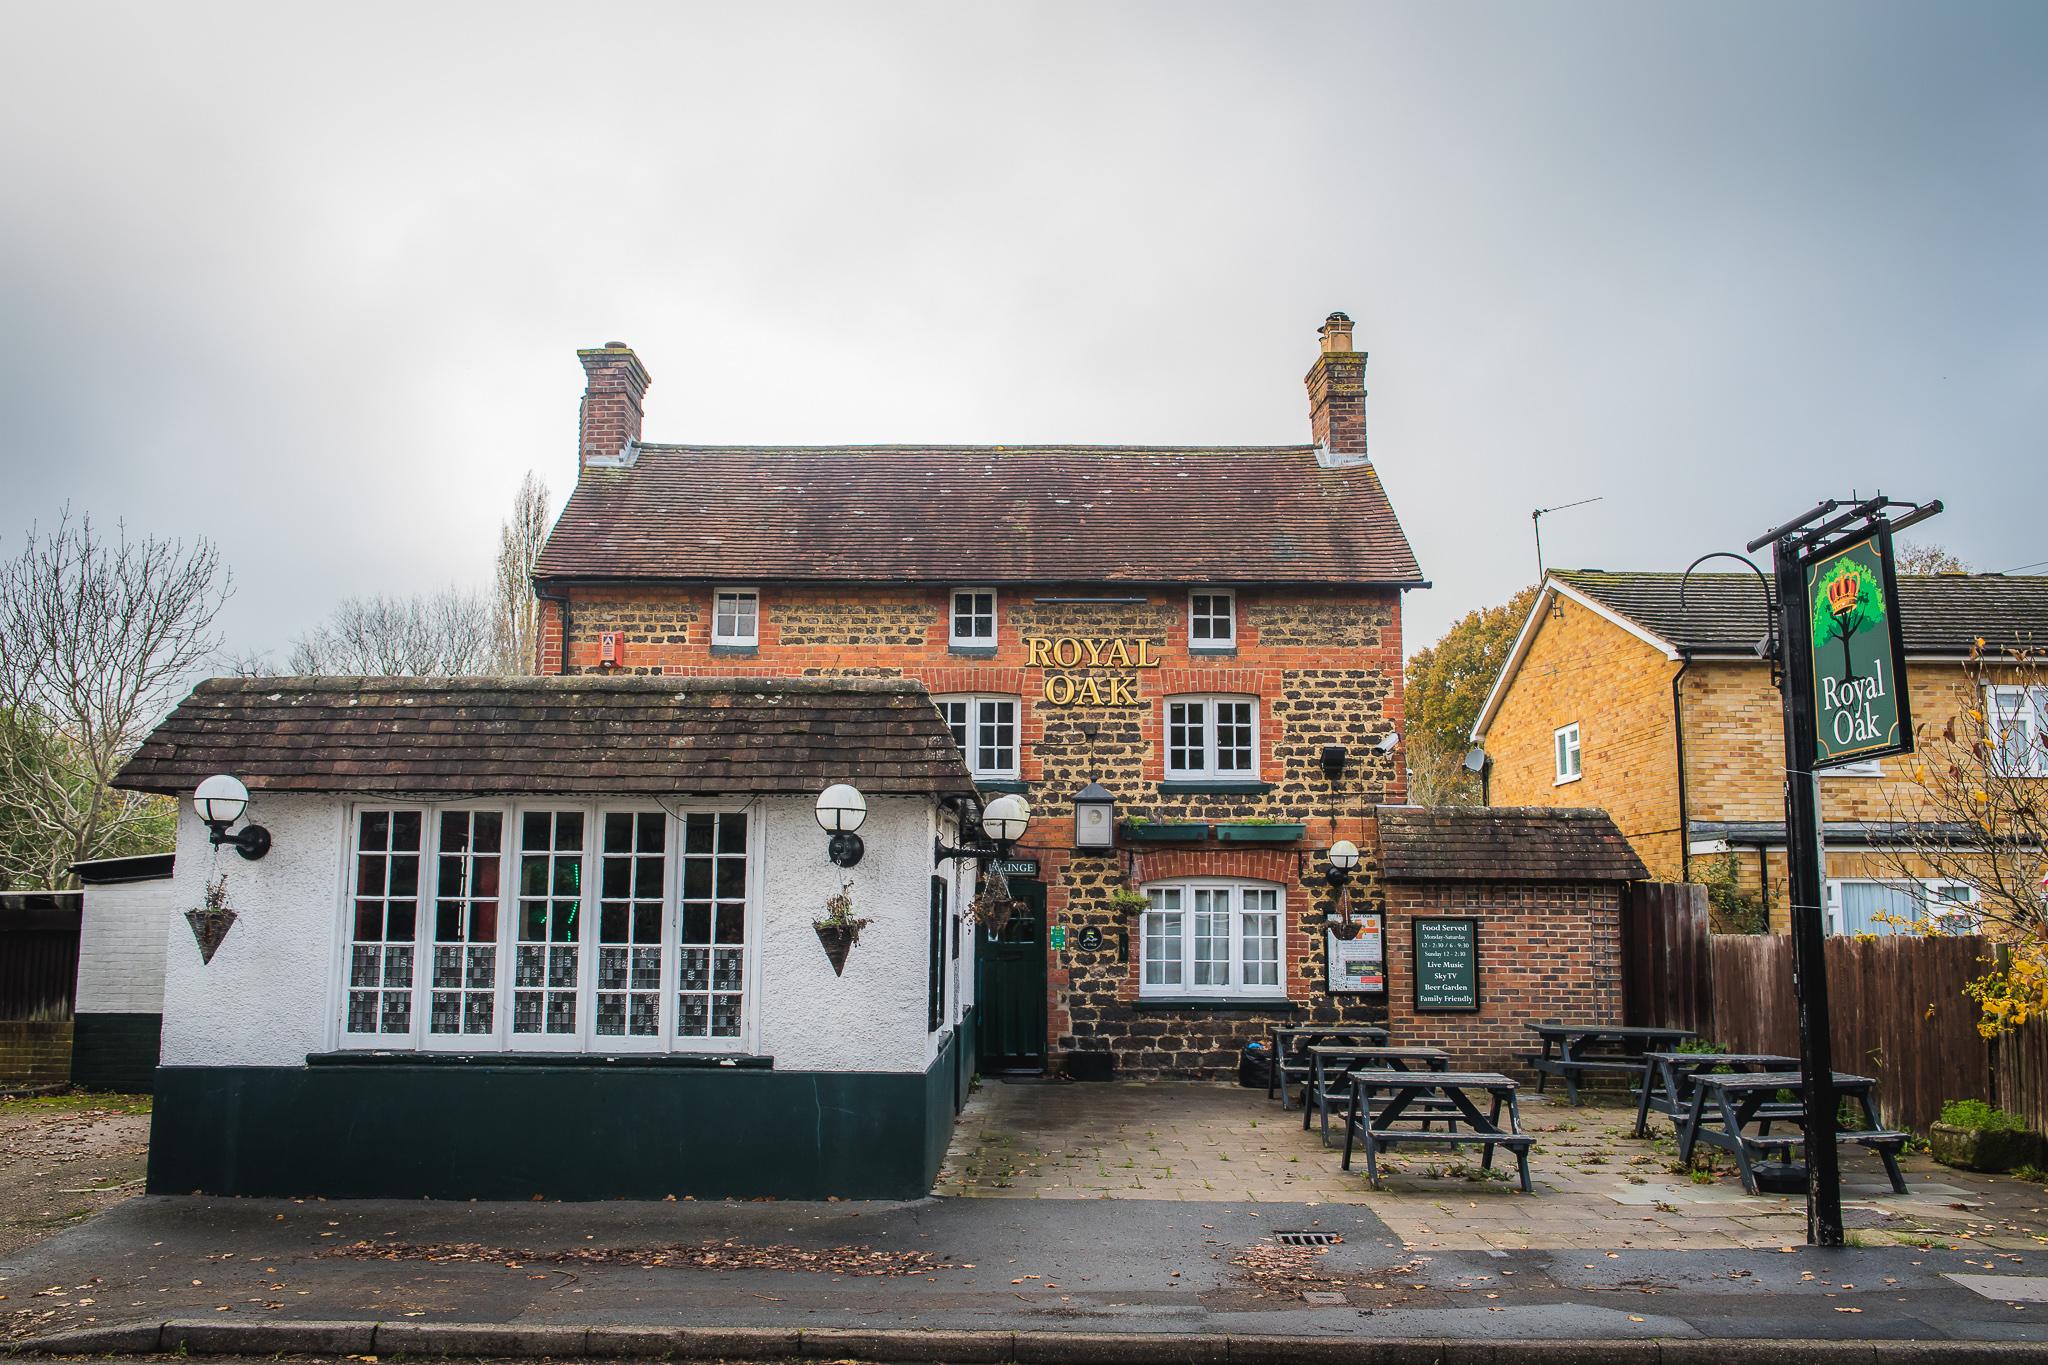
{"points": [[1307, 1239]]}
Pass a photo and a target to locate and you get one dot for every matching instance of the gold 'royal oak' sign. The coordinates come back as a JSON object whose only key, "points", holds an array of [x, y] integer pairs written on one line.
{"points": [[1080, 652]]}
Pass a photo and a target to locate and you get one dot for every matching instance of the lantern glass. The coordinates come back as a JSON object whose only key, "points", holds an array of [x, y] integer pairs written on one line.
{"points": [[220, 800], [1004, 819], [1344, 855], [1094, 817], [841, 809]]}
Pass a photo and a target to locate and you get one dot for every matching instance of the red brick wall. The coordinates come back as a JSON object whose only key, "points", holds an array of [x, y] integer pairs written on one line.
{"points": [[1548, 953]]}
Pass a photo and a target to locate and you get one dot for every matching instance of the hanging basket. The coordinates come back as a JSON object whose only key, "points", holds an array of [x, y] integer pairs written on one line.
{"points": [[993, 904], [838, 940], [209, 927], [1345, 929]]}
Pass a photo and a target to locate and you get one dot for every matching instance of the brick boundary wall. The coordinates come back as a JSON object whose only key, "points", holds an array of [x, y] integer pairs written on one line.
{"points": [[35, 1051]]}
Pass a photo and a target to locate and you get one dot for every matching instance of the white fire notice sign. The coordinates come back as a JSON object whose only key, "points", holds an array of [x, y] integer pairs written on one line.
{"points": [[1358, 966]]}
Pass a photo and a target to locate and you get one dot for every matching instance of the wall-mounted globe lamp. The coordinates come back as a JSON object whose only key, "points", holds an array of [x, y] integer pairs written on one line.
{"points": [[841, 811], [220, 801], [1003, 822]]}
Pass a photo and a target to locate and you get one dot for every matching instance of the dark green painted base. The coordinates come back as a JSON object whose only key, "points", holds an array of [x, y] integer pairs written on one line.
{"points": [[115, 1051], [567, 1132]]}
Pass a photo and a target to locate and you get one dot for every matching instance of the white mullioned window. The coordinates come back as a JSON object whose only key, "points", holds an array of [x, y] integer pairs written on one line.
{"points": [[2016, 719], [1566, 739], [985, 728], [1212, 618], [551, 927], [1858, 905], [736, 617], [973, 617], [1212, 938], [1212, 737]]}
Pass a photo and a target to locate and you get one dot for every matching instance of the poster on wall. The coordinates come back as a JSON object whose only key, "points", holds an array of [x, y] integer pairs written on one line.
{"points": [[1358, 966], [1447, 964]]}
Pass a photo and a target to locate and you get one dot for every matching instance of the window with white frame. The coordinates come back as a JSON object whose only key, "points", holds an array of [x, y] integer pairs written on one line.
{"points": [[736, 617], [1211, 938], [1212, 737], [523, 951], [1862, 767], [1872, 906], [973, 617], [2017, 722], [1566, 739], [1212, 618], [985, 728]]}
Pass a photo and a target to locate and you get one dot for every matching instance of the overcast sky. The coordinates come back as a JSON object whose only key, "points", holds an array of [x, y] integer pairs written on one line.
{"points": [[309, 282]]}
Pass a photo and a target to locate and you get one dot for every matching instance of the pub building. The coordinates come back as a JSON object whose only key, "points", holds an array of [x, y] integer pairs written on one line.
{"points": [[1188, 660]]}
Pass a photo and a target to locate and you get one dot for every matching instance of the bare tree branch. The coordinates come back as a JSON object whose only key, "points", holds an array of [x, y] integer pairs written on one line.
{"points": [[520, 539], [445, 634]]}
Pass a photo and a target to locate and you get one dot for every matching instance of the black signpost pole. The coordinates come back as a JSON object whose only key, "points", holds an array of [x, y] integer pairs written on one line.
{"points": [[1804, 883]]}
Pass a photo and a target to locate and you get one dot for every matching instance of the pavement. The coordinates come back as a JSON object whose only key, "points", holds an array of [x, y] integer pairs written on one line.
{"points": [[1049, 1278]]}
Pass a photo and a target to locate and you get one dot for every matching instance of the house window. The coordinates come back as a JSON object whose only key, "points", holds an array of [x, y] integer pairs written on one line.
{"points": [[385, 906], [519, 950], [935, 948], [985, 728], [974, 617], [736, 617], [1212, 737], [1567, 740], [2017, 724], [1212, 618], [1858, 906], [1211, 938], [1862, 767]]}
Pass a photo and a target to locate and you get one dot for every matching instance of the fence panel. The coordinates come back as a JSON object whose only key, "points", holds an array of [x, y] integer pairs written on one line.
{"points": [[38, 954], [1666, 981]]}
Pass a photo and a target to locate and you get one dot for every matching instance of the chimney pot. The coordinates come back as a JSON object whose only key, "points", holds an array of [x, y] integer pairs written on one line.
{"points": [[1336, 396], [1335, 332]]}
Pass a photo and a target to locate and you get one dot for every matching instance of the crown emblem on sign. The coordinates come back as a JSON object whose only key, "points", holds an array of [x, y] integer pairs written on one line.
{"points": [[1842, 594]]}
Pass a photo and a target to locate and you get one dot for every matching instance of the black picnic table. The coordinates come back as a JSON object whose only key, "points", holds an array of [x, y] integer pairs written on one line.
{"points": [[1570, 1051], [1416, 1096], [1724, 1105], [1666, 1085], [1331, 1065], [1292, 1041]]}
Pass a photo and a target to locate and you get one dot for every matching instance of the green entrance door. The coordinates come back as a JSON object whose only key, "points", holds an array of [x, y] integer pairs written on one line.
{"points": [[1009, 986]]}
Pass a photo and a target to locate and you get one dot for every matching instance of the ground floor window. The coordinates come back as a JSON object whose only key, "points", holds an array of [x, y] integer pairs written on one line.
{"points": [[522, 950], [1211, 937], [1858, 906]]}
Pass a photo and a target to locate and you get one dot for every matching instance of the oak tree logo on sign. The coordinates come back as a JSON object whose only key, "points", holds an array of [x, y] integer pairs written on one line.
{"points": [[1855, 656]]}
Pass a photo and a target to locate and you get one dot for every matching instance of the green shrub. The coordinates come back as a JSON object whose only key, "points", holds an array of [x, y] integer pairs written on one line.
{"points": [[1700, 1045], [1978, 1114]]}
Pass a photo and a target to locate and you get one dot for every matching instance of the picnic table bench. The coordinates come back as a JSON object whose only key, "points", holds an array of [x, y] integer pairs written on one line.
{"points": [[1570, 1052], [1376, 1124], [1290, 1065], [1331, 1065], [1724, 1105], [1666, 1084]]}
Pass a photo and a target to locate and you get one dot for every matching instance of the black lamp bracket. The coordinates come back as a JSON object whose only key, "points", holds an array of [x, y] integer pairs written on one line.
{"points": [[981, 853], [845, 848], [251, 841]]}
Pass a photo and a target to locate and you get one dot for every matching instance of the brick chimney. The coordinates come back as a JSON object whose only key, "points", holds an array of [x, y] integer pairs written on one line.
{"points": [[1336, 396], [614, 383]]}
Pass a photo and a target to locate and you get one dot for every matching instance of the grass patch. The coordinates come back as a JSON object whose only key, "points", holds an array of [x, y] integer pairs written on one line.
{"points": [[76, 1102]]}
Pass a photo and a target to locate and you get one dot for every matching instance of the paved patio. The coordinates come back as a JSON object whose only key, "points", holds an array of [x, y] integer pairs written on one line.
{"points": [[1596, 1186]]}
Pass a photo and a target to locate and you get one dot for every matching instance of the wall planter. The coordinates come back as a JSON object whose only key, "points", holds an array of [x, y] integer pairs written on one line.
{"points": [[838, 930], [212, 920], [1984, 1149], [1160, 832], [1240, 833]]}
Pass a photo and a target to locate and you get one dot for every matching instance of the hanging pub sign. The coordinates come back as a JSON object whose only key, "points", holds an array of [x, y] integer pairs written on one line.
{"points": [[1447, 964], [1861, 710]]}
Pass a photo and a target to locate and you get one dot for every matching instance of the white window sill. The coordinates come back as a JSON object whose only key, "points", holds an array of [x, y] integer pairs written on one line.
{"points": [[1566, 781]]}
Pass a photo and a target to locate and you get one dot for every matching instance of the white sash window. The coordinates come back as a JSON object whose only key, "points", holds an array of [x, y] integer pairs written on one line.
{"points": [[1212, 938]]}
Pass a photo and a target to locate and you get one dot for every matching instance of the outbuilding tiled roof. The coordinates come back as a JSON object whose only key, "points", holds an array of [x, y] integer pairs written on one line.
{"points": [[1504, 843], [569, 735], [1724, 612], [980, 514]]}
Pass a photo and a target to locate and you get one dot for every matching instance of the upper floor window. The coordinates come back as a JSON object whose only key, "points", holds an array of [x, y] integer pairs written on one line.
{"points": [[483, 929], [2017, 726], [1206, 938], [1567, 741], [736, 617], [1212, 618], [985, 728], [1213, 737], [973, 617]]}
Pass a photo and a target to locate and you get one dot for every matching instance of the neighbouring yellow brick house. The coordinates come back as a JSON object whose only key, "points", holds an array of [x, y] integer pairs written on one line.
{"points": [[1665, 716]]}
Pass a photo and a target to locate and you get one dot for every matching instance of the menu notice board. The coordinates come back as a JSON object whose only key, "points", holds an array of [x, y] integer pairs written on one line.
{"points": [[1446, 964], [1358, 965]]}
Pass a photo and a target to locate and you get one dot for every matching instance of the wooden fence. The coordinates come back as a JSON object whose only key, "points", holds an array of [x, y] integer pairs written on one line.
{"points": [[1898, 1008], [38, 954]]}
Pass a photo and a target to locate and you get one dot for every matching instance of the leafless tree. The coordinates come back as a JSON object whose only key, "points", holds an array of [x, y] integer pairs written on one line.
{"points": [[445, 634], [98, 638], [520, 539], [1928, 558]]}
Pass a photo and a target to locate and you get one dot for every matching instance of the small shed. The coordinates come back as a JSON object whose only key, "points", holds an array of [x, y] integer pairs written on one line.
{"points": [[1498, 917], [130, 911]]}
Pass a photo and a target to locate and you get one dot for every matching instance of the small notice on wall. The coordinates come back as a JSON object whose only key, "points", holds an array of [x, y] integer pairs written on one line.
{"points": [[1358, 966], [1446, 964]]}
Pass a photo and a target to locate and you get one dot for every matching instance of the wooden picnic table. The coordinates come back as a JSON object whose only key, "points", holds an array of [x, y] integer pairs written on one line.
{"points": [[1331, 1065], [1666, 1085], [1724, 1105], [1292, 1041], [1571, 1051], [1379, 1126]]}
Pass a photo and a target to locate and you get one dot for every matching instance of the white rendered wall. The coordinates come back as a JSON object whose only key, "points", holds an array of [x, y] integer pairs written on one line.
{"points": [[121, 941]]}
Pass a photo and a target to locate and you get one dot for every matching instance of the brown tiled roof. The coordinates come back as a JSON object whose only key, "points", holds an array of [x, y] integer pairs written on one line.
{"points": [[983, 514], [1724, 612], [1504, 843], [510, 736]]}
